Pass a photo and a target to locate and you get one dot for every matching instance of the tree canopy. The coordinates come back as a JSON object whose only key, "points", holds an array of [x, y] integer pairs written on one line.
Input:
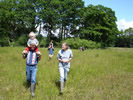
{"points": [[70, 17]]}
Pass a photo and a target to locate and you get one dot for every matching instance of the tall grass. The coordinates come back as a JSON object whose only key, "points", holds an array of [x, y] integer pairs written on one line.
{"points": [[94, 75]]}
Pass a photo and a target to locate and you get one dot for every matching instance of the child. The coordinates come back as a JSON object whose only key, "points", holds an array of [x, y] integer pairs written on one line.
{"points": [[32, 38], [64, 57], [80, 49], [51, 49], [51, 43], [31, 66]]}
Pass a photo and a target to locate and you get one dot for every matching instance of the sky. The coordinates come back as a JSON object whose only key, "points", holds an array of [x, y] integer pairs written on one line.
{"points": [[123, 11]]}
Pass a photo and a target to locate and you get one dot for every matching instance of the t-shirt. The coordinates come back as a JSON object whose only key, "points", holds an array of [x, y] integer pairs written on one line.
{"points": [[31, 58], [51, 51], [64, 55], [34, 40]]}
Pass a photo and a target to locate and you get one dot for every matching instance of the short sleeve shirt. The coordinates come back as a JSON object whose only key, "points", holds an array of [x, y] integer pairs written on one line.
{"points": [[35, 40], [31, 58], [65, 55], [51, 51]]}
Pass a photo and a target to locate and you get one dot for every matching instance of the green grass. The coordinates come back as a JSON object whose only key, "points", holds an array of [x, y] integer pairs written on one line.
{"points": [[94, 75]]}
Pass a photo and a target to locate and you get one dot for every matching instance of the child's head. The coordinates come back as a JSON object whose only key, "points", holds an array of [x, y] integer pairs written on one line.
{"points": [[32, 35], [65, 46], [32, 45], [50, 45]]}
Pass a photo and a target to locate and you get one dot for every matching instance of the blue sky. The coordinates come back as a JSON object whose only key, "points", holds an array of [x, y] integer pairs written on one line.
{"points": [[123, 10]]}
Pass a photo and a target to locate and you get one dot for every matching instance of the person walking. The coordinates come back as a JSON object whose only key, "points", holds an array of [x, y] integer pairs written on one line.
{"points": [[64, 57], [31, 66], [51, 51]]}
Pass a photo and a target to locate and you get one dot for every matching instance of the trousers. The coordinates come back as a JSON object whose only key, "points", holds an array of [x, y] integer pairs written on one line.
{"points": [[31, 73]]}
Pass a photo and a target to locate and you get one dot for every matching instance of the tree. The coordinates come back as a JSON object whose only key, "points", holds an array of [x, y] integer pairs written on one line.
{"points": [[98, 24], [125, 38], [48, 14], [6, 22], [17, 17], [69, 11], [70, 17], [129, 31]]}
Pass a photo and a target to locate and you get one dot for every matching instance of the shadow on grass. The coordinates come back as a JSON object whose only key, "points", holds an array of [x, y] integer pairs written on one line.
{"points": [[27, 85], [57, 83]]}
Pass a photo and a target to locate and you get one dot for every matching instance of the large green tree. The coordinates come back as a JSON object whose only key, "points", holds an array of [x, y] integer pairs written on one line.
{"points": [[125, 38], [48, 15], [69, 11], [70, 17], [6, 22], [98, 24], [17, 17]]}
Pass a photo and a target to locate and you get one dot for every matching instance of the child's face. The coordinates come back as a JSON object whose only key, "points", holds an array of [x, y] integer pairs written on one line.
{"points": [[64, 47], [32, 46], [32, 37]]}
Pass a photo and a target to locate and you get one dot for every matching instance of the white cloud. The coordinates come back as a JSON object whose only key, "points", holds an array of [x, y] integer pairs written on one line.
{"points": [[123, 24]]}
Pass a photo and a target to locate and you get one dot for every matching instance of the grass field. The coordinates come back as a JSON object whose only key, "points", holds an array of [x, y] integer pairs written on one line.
{"points": [[102, 74]]}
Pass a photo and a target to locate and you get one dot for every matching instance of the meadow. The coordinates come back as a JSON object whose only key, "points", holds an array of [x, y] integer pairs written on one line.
{"points": [[98, 74]]}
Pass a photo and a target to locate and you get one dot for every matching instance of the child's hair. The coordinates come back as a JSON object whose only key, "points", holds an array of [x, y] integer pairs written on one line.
{"points": [[66, 44], [31, 34]]}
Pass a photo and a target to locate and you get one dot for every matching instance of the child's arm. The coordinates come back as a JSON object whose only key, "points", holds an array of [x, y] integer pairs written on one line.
{"points": [[37, 42]]}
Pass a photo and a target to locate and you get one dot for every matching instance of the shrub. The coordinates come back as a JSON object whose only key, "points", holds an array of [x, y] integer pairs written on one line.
{"points": [[21, 41], [43, 42], [4, 41], [77, 43]]}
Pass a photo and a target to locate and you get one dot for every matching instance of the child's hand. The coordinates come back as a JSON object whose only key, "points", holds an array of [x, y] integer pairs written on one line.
{"points": [[65, 61]]}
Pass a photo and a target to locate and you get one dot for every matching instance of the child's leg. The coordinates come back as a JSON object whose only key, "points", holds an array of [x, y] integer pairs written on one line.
{"points": [[33, 75], [61, 70], [28, 74], [37, 51], [33, 80], [26, 50], [66, 73]]}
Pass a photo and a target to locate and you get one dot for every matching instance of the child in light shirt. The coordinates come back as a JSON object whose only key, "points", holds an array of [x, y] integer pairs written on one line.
{"points": [[32, 38]]}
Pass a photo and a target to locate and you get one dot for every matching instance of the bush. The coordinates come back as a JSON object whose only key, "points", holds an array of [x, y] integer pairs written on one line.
{"points": [[76, 43], [43, 42], [124, 41], [21, 41], [4, 41]]}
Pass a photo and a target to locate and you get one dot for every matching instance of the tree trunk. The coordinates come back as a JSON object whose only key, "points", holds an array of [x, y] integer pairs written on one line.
{"points": [[61, 33], [40, 29], [9, 42], [64, 33]]}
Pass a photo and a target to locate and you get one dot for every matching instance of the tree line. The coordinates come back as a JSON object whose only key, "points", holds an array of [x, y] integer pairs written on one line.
{"points": [[71, 18]]}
